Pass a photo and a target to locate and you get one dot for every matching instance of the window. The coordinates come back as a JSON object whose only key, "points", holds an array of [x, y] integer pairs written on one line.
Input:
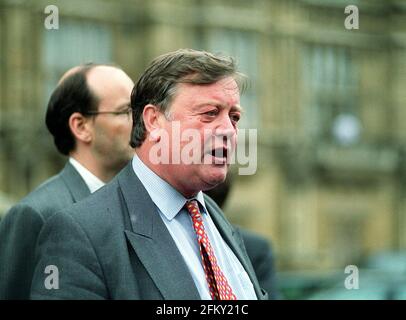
{"points": [[242, 46], [331, 89], [74, 43]]}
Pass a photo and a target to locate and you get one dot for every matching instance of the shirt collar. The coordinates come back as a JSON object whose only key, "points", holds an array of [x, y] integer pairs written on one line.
{"points": [[168, 200], [92, 182]]}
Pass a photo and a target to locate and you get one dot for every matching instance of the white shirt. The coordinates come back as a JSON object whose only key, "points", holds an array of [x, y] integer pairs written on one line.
{"points": [[170, 206], [92, 182]]}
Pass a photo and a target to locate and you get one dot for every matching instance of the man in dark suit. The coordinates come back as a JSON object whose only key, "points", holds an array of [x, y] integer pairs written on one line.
{"points": [[89, 116], [151, 233]]}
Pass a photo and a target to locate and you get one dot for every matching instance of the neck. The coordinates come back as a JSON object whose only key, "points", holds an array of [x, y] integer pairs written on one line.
{"points": [[87, 160], [161, 170]]}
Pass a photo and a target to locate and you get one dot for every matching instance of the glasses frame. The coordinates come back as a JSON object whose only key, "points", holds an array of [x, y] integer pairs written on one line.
{"points": [[116, 113]]}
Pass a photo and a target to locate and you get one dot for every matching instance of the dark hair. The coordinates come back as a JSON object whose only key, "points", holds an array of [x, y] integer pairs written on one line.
{"points": [[71, 95], [158, 84]]}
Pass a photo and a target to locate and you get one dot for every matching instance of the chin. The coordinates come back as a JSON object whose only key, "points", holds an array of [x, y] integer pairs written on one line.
{"points": [[215, 178]]}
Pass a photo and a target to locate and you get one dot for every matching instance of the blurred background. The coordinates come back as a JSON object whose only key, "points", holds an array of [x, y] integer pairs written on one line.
{"points": [[329, 105]]}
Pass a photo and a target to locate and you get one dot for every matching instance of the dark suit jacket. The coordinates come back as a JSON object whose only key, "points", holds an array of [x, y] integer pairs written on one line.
{"points": [[260, 252], [114, 245], [20, 227]]}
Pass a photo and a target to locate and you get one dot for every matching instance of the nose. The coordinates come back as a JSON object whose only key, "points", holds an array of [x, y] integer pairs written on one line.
{"points": [[225, 127], [225, 133]]}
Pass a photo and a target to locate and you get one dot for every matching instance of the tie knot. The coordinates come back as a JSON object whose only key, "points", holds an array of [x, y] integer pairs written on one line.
{"points": [[193, 207]]}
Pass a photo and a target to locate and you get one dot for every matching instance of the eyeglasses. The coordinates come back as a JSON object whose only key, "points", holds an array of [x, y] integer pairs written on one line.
{"points": [[116, 113]]}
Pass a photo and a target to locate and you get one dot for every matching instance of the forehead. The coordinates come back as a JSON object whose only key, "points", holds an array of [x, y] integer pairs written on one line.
{"points": [[224, 92], [106, 80]]}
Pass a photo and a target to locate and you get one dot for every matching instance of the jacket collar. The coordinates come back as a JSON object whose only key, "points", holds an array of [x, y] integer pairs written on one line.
{"points": [[153, 243], [74, 182], [156, 249], [234, 240]]}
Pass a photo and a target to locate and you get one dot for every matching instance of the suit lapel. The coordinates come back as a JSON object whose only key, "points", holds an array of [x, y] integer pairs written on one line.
{"points": [[153, 243], [74, 182], [233, 239]]}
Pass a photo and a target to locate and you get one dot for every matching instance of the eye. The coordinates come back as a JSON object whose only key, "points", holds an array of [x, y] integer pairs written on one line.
{"points": [[212, 113], [235, 117]]}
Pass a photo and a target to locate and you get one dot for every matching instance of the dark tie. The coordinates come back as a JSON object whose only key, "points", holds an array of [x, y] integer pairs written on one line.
{"points": [[218, 284]]}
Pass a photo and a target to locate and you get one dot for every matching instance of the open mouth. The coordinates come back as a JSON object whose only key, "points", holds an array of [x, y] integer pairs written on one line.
{"points": [[219, 153]]}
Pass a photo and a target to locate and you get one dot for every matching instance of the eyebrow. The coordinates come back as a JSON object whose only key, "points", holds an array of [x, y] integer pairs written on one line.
{"points": [[238, 108]]}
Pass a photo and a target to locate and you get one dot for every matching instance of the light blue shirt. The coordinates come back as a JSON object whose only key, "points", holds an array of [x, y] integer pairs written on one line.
{"points": [[170, 206]]}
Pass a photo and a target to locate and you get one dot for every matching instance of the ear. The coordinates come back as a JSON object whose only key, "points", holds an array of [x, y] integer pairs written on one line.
{"points": [[152, 121], [80, 127]]}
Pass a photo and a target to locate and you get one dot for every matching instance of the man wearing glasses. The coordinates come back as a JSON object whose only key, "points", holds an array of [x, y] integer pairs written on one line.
{"points": [[89, 116]]}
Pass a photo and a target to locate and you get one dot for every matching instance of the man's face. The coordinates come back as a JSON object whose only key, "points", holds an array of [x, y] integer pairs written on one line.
{"points": [[111, 132], [212, 111]]}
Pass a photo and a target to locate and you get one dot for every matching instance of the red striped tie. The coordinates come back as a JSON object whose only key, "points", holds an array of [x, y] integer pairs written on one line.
{"points": [[218, 284]]}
